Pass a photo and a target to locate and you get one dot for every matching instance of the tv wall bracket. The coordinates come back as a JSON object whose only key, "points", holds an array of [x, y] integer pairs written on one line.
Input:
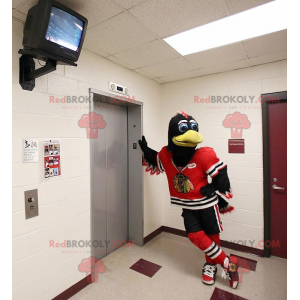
{"points": [[28, 73]]}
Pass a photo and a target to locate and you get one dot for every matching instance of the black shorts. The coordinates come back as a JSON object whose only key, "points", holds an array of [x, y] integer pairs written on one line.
{"points": [[207, 219]]}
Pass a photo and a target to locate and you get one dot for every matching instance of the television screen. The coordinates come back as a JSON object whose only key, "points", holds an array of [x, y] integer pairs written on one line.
{"points": [[64, 29]]}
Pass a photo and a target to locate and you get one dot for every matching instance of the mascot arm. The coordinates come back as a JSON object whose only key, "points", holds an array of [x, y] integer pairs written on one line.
{"points": [[149, 158], [220, 185]]}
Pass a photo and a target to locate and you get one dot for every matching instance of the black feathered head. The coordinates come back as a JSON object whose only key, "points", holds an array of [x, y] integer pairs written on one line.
{"points": [[183, 132]]}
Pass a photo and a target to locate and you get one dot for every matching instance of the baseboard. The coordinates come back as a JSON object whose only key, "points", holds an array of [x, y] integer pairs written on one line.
{"points": [[225, 244], [153, 234], [174, 231], [74, 289], [242, 248]]}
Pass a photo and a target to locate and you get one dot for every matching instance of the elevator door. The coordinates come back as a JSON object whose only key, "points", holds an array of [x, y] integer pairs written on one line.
{"points": [[109, 172]]}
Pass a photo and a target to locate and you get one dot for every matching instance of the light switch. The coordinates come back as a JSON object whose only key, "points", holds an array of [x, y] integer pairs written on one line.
{"points": [[31, 204]]}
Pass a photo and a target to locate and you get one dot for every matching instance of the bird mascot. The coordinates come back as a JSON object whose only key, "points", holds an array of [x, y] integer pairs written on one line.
{"points": [[188, 170]]}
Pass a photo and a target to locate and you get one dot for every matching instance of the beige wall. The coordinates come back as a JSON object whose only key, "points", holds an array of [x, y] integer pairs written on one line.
{"points": [[245, 170], [64, 202]]}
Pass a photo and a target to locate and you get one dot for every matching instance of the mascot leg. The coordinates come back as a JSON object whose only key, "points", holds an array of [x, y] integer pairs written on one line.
{"points": [[216, 239], [211, 247], [208, 246]]}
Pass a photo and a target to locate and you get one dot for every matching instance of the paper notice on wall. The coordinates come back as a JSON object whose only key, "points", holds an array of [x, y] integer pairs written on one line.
{"points": [[52, 166], [30, 150]]}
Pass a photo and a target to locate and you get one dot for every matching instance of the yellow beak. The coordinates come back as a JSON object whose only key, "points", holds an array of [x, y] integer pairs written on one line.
{"points": [[189, 139]]}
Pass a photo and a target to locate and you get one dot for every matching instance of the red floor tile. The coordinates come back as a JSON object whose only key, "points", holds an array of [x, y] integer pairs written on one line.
{"points": [[246, 263], [219, 294], [145, 267]]}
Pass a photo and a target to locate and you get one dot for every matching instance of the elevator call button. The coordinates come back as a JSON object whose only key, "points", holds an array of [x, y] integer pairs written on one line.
{"points": [[31, 204]]}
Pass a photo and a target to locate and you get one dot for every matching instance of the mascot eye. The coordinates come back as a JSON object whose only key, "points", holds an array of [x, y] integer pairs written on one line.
{"points": [[194, 127], [183, 127]]}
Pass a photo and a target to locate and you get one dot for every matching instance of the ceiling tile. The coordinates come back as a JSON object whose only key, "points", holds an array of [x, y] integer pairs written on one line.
{"points": [[117, 34], [268, 58], [99, 52], [24, 6], [147, 54], [143, 73], [226, 67], [236, 6], [216, 56], [16, 3], [181, 76], [170, 67], [18, 15], [168, 17], [96, 11], [129, 3], [120, 62], [266, 44]]}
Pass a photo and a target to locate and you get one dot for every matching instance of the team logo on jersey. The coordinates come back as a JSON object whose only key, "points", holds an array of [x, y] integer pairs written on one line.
{"points": [[182, 183]]}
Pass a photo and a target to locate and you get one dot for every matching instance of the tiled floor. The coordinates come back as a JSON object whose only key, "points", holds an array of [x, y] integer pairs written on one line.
{"points": [[179, 277]]}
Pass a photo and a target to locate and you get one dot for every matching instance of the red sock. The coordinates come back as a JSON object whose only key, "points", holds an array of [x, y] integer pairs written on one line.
{"points": [[210, 248], [216, 239]]}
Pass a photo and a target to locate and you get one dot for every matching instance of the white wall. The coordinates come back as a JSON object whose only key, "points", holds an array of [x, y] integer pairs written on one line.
{"points": [[64, 203], [245, 170]]}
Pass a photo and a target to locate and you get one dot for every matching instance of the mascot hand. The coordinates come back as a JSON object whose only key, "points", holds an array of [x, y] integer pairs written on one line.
{"points": [[143, 144], [224, 206], [208, 190]]}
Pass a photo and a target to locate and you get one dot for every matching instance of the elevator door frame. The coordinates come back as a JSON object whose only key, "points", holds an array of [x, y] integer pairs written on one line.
{"points": [[135, 170]]}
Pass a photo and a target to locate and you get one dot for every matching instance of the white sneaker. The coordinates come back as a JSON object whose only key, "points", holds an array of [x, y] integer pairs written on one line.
{"points": [[209, 273]]}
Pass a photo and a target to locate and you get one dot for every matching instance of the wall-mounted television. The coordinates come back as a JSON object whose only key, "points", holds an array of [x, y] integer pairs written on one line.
{"points": [[55, 29]]}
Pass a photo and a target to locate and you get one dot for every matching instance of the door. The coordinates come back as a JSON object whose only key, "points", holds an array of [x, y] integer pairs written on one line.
{"points": [[109, 171], [277, 123]]}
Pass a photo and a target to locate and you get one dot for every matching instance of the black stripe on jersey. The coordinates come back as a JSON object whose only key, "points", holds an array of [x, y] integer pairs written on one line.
{"points": [[193, 204], [216, 167], [161, 166], [195, 201]]}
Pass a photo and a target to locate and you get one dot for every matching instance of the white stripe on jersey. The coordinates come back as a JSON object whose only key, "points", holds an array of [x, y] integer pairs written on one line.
{"points": [[194, 200], [195, 206], [213, 166], [159, 164]]}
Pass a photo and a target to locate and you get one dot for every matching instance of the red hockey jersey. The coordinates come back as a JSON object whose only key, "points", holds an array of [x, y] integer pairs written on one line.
{"points": [[185, 183]]}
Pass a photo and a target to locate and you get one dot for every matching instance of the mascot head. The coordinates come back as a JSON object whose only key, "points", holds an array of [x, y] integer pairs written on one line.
{"points": [[183, 132]]}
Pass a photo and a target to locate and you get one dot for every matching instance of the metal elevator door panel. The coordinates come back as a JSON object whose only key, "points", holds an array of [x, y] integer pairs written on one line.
{"points": [[110, 180], [117, 176]]}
